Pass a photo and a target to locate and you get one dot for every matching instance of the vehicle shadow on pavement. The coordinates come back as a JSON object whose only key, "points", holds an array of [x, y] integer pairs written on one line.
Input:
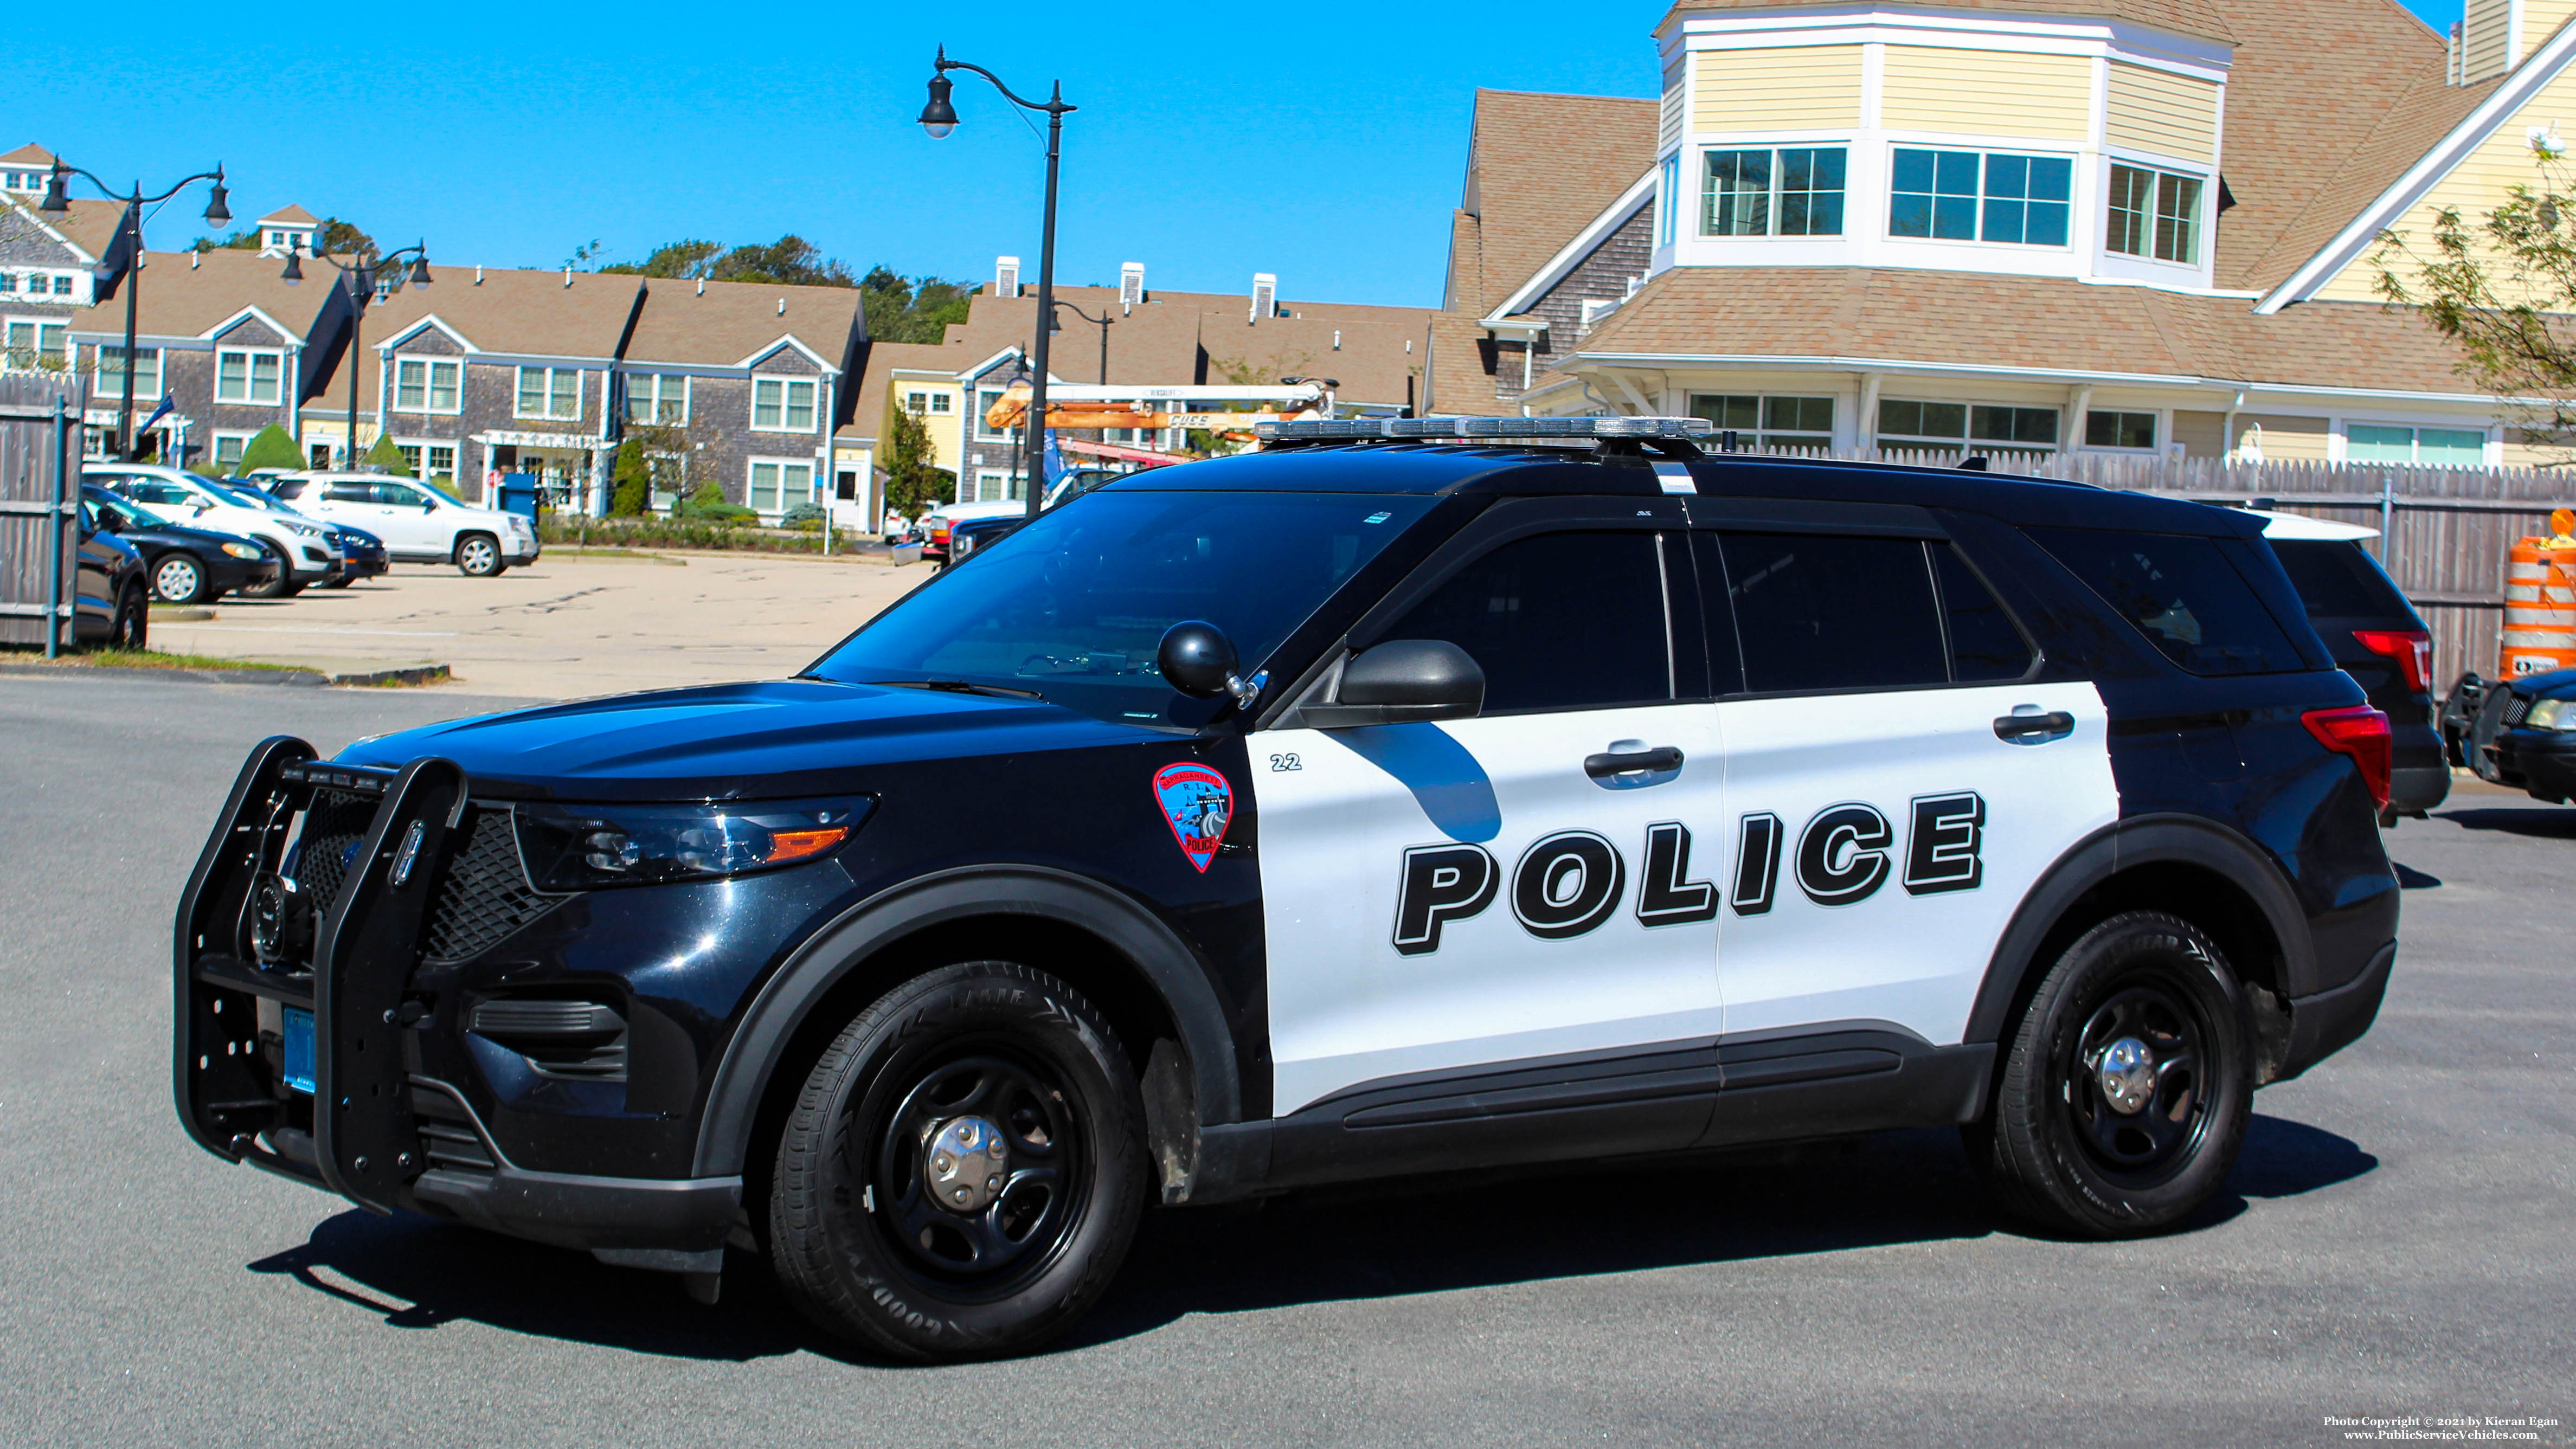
{"points": [[1374, 1241], [2544, 822]]}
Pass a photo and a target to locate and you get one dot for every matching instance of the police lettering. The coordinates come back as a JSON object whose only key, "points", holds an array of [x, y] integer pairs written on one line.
{"points": [[1667, 896], [1567, 884], [1442, 883], [1842, 854]]}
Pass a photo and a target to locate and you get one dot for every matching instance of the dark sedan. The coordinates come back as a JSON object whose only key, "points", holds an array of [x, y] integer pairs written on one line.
{"points": [[2375, 636], [2525, 734], [362, 556], [184, 565]]}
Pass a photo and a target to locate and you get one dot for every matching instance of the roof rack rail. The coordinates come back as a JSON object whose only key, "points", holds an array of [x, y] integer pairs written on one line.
{"points": [[1355, 430]]}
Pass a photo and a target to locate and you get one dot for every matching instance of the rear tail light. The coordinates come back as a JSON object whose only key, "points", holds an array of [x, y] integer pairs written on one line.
{"points": [[2411, 648], [2359, 733]]}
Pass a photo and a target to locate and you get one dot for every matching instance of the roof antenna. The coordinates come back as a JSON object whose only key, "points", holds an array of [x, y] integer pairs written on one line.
{"points": [[478, 276]]}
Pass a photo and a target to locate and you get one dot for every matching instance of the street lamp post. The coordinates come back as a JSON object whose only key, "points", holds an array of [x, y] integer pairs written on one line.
{"points": [[217, 213], [361, 283], [1102, 322], [939, 118]]}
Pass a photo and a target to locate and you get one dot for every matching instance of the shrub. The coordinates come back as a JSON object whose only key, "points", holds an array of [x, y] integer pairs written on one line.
{"points": [[634, 476], [270, 448], [388, 457]]}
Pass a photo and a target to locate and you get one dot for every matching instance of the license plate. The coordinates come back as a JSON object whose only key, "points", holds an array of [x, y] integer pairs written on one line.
{"points": [[299, 1049]]}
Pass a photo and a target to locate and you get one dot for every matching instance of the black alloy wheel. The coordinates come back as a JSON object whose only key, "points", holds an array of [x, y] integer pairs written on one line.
{"points": [[178, 579], [130, 626], [2127, 1087], [964, 1168]]}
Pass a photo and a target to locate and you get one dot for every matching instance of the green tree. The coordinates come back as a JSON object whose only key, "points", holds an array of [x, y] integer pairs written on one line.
{"points": [[269, 448], [911, 480], [2501, 288], [388, 457], [344, 239], [685, 260], [633, 475], [912, 310]]}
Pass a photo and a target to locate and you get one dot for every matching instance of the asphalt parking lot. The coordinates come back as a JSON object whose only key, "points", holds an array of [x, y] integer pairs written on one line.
{"points": [[2400, 1238]]}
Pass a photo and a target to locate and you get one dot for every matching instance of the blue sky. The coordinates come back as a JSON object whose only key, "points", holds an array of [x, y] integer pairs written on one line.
{"points": [[1325, 144]]}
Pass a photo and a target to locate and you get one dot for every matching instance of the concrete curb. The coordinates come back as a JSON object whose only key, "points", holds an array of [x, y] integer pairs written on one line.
{"points": [[289, 678]]}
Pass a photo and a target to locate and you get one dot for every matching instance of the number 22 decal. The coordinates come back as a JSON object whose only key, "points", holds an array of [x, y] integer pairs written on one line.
{"points": [[1280, 764]]}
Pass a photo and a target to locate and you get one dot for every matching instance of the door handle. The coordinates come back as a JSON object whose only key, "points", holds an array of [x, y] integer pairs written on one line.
{"points": [[2034, 728], [1660, 760]]}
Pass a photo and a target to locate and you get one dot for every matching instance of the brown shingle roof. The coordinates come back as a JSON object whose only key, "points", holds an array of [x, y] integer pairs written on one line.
{"points": [[730, 321], [187, 294], [2180, 17], [2044, 324], [511, 311], [2328, 102], [30, 154], [1541, 167]]}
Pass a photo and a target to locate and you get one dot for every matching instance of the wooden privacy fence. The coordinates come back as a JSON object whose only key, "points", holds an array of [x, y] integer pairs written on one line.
{"points": [[40, 416], [2444, 532]]}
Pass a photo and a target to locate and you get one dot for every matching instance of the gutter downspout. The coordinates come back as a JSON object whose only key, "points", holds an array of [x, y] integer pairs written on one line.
{"points": [[1865, 426]]}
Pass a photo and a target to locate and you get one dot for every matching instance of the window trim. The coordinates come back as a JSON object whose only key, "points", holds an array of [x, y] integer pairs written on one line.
{"points": [[2157, 173], [1771, 194], [2152, 450], [657, 379], [786, 407], [428, 387], [1761, 435], [250, 397], [519, 393], [98, 372], [751, 467], [215, 446], [1984, 154], [1967, 442], [2414, 443]]}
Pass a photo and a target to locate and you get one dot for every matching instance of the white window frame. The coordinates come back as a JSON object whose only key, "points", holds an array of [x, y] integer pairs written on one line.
{"points": [[1771, 195], [984, 431], [751, 484], [1985, 157], [99, 373], [61, 329], [654, 388], [2414, 442], [2154, 448], [250, 393], [787, 389], [420, 471], [1767, 437], [1967, 441], [2157, 175], [943, 403], [1000, 478], [552, 392], [240, 444], [429, 367]]}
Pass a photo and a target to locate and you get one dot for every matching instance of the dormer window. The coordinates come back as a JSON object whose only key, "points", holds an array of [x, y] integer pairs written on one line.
{"points": [[2154, 214], [1981, 196]]}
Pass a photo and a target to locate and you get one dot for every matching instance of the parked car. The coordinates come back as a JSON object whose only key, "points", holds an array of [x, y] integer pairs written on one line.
{"points": [[2524, 734], [2375, 636], [109, 588], [302, 546], [2460, 720], [934, 526], [419, 522], [184, 565], [967, 535], [364, 556], [1346, 810]]}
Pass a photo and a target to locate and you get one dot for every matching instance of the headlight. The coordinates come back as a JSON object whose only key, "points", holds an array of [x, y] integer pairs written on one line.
{"points": [[244, 550], [2551, 714], [305, 529], [581, 847]]}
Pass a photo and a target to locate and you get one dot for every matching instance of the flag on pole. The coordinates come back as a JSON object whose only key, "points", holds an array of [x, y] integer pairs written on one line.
{"points": [[123, 255], [168, 405], [1051, 461]]}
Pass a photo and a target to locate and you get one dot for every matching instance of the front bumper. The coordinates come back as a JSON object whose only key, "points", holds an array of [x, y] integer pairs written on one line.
{"points": [[2540, 761], [403, 1112], [227, 574]]}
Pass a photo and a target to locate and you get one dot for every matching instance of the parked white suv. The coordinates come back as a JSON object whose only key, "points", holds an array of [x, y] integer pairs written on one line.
{"points": [[419, 522], [307, 549]]}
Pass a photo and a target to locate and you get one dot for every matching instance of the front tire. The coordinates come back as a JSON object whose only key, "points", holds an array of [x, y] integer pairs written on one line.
{"points": [[178, 579], [478, 556], [2128, 1086], [130, 627], [284, 585], [963, 1169]]}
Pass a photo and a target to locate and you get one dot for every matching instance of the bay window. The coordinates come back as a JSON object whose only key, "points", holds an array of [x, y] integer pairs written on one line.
{"points": [[1978, 196]]}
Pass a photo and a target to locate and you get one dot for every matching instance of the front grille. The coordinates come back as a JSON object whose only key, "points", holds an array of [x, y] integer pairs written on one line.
{"points": [[337, 821], [484, 896], [2515, 707]]}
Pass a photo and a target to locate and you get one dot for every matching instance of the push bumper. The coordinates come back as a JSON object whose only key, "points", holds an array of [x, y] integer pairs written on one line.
{"points": [[372, 1128]]}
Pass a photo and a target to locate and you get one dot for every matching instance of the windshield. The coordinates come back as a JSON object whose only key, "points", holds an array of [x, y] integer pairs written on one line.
{"points": [[1073, 606], [250, 498], [444, 496], [125, 513]]}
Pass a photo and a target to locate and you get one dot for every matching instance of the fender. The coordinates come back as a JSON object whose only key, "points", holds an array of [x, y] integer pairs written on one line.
{"points": [[2125, 845], [742, 1077]]}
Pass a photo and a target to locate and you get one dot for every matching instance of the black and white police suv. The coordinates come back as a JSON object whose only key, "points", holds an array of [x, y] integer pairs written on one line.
{"points": [[1409, 796]]}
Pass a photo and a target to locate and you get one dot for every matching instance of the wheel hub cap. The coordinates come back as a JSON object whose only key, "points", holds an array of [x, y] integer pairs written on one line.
{"points": [[2128, 1076], [965, 1163]]}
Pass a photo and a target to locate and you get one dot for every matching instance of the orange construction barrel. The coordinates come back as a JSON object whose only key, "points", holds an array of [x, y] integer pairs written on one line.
{"points": [[2540, 601]]}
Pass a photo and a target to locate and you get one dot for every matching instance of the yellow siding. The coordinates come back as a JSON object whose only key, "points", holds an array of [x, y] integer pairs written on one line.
{"points": [[2283, 440], [2540, 20], [2156, 110], [2476, 187], [1669, 132], [1789, 88], [1987, 92], [2530, 450], [2202, 434], [2487, 35]]}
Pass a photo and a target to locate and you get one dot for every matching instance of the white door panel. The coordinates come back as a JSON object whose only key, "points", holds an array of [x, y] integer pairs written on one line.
{"points": [[1411, 926], [1906, 835]]}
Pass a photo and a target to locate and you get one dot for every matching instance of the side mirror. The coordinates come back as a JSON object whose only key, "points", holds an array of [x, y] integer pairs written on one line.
{"points": [[1199, 660], [108, 522], [1403, 681]]}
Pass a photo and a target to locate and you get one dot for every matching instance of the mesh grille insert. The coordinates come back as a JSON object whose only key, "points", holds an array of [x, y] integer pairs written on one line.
{"points": [[2515, 707], [337, 820], [484, 896]]}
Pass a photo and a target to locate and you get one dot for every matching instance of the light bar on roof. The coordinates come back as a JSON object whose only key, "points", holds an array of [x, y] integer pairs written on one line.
{"points": [[1317, 430]]}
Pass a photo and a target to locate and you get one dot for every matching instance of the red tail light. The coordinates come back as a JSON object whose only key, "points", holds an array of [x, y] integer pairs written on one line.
{"points": [[2411, 648], [2360, 733]]}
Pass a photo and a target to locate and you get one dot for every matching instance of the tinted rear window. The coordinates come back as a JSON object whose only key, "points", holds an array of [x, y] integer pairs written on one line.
{"points": [[2338, 579], [1814, 611], [2180, 592]]}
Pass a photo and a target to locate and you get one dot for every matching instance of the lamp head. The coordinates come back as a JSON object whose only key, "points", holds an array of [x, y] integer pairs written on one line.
{"points": [[420, 270], [54, 200], [939, 117], [294, 273], [217, 213]]}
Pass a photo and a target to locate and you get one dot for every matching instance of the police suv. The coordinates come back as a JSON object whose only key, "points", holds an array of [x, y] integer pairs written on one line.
{"points": [[1409, 796]]}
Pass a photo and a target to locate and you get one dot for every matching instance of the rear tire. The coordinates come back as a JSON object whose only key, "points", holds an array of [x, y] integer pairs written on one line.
{"points": [[130, 626], [178, 579], [862, 1235], [2075, 1146], [478, 556]]}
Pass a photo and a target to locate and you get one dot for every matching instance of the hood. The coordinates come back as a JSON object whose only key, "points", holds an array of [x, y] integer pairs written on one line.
{"points": [[177, 533], [2557, 684], [764, 740]]}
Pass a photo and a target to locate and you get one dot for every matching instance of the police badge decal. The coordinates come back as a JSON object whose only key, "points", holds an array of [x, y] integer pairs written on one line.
{"points": [[1197, 803]]}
